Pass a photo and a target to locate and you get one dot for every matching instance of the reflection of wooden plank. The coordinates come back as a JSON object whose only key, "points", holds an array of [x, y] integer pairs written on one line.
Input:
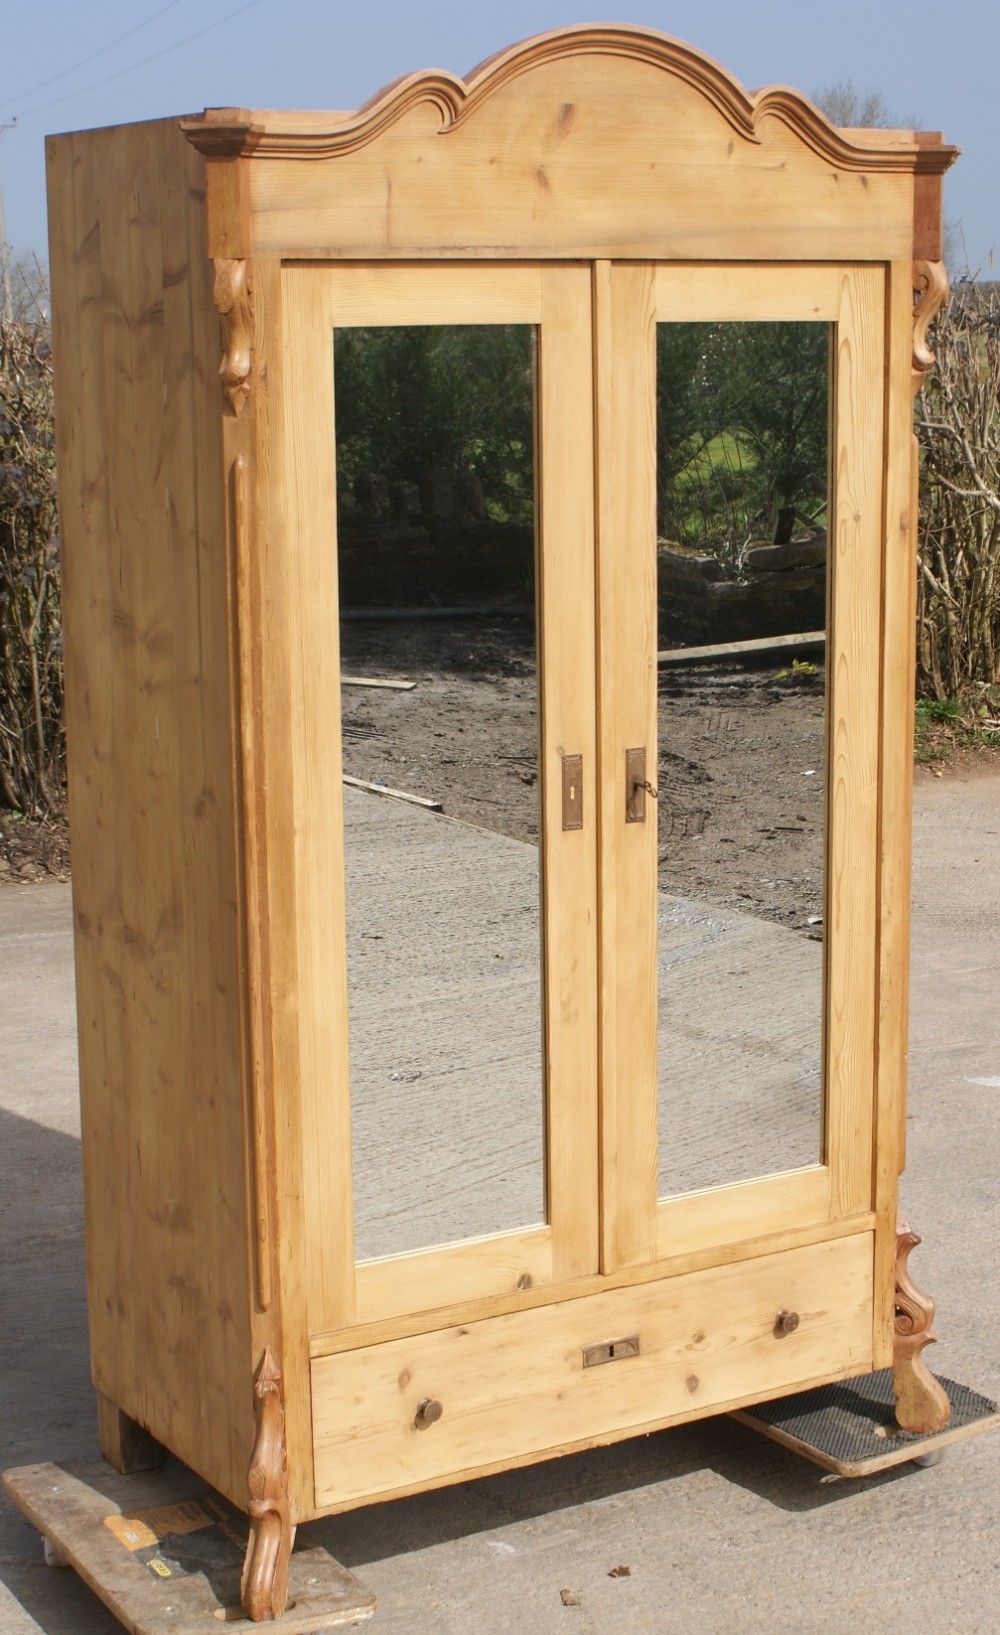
{"points": [[164, 1552], [725, 650], [389, 615], [394, 794], [377, 681]]}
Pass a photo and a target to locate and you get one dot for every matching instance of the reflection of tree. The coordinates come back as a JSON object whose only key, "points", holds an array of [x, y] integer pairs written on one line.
{"points": [[742, 429], [741, 420], [442, 400]]}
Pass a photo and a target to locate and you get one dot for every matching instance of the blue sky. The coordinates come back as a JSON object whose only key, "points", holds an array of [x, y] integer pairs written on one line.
{"points": [[933, 63]]}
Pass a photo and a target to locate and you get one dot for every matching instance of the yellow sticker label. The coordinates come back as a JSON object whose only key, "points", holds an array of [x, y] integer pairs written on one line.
{"points": [[134, 1534], [141, 1528], [160, 1568]]}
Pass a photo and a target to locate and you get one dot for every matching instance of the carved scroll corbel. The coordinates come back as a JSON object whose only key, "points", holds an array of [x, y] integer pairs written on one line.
{"points": [[232, 300], [921, 1402], [930, 285], [264, 1584]]}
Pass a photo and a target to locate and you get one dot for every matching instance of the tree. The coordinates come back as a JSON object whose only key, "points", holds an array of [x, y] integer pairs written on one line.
{"points": [[31, 732], [447, 399], [852, 109], [958, 423], [741, 430]]}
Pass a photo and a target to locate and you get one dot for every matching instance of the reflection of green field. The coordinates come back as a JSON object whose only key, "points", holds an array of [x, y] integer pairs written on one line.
{"points": [[721, 500], [717, 494], [729, 452]]}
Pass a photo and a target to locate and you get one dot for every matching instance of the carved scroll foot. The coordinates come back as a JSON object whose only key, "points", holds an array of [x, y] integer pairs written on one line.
{"points": [[264, 1584], [921, 1402]]}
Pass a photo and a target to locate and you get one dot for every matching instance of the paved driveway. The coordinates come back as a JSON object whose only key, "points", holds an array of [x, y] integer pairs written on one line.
{"points": [[722, 1532]]}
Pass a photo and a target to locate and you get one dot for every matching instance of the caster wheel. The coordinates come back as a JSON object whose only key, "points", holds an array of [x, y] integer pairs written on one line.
{"points": [[53, 1556], [925, 1460]]}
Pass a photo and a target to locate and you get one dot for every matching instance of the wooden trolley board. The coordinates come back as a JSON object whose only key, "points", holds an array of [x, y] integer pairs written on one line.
{"points": [[583, 190], [164, 1553]]}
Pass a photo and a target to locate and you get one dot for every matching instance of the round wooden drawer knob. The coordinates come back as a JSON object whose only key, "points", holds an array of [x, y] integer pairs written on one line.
{"points": [[786, 1322], [428, 1413]]}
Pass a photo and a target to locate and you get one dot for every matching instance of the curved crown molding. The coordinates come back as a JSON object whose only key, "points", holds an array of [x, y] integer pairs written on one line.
{"points": [[457, 100]]}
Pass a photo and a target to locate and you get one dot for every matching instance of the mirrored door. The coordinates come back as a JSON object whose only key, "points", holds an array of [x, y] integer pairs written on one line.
{"points": [[439, 445], [584, 913], [740, 570]]}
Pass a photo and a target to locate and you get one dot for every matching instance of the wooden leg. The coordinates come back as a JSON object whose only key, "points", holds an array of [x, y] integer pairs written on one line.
{"points": [[921, 1402], [124, 1442], [264, 1585]]}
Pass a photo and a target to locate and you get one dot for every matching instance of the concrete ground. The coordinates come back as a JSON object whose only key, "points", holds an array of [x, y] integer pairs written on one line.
{"points": [[722, 1531]]}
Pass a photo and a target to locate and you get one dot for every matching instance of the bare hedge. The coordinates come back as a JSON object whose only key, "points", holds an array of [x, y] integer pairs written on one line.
{"points": [[32, 747], [958, 628], [958, 424]]}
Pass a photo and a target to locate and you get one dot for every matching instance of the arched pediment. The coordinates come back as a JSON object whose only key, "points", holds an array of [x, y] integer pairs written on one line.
{"points": [[597, 140]]}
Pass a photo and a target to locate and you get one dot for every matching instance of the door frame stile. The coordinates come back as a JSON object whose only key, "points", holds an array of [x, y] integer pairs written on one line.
{"points": [[625, 372]]}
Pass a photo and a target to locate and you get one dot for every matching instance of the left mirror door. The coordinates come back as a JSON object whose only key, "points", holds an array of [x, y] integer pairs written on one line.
{"points": [[439, 503]]}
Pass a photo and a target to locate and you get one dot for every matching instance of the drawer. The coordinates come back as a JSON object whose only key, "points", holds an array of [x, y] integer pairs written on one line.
{"points": [[532, 1383]]}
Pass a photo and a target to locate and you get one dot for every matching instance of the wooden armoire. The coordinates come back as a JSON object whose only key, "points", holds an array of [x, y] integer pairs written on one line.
{"points": [[585, 188]]}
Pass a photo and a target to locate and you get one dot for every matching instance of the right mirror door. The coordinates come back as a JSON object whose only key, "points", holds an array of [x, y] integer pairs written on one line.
{"points": [[746, 866], [742, 485]]}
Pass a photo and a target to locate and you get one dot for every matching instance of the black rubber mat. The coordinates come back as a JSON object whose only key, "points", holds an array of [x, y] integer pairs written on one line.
{"points": [[855, 1419]]}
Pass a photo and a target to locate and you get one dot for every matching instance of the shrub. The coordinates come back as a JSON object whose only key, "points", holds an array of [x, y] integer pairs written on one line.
{"points": [[958, 424], [32, 750]]}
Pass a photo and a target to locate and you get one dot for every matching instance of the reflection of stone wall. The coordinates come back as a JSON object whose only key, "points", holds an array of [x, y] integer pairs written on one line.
{"points": [[428, 544], [432, 543], [780, 592], [403, 563]]}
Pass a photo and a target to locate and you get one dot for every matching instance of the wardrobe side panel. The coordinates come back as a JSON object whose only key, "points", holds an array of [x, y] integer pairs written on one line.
{"points": [[152, 790]]}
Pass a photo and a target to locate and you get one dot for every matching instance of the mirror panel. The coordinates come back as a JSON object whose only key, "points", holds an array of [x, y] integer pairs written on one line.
{"points": [[435, 451], [743, 414]]}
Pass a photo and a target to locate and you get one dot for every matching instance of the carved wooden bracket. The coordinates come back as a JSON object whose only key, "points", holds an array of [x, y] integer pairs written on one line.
{"points": [[930, 284], [921, 1402], [232, 299], [264, 1584]]}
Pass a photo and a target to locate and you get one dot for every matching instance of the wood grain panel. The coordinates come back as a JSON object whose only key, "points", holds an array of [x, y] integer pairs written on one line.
{"points": [[734, 1251], [588, 155], [391, 296], [896, 796], [776, 1203], [471, 1270], [515, 1387], [853, 694], [152, 813], [267, 593], [804, 293], [567, 649], [625, 319], [315, 881]]}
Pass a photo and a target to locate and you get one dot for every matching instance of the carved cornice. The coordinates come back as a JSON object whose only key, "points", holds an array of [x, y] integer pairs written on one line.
{"points": [[930, 285], [456, 100], [232, 300]]}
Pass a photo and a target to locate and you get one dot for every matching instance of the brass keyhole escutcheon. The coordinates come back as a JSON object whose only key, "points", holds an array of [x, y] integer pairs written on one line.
{"points": [[786, 1322], [572, 791], [428, 1413]]}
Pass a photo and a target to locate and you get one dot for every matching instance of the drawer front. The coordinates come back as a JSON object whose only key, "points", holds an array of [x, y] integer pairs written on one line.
{"points": [[535, 1382]]}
